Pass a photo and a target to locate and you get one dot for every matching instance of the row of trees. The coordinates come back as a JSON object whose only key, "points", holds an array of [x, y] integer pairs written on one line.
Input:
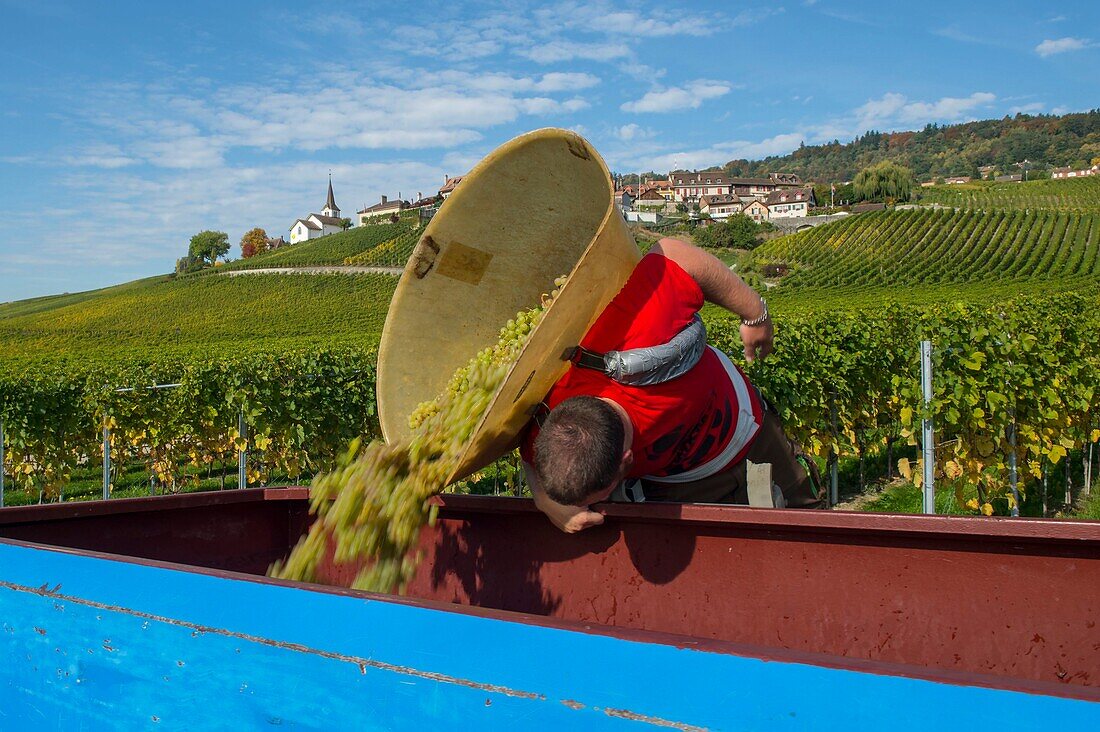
{"points": [[207, 247], [945, 150]]}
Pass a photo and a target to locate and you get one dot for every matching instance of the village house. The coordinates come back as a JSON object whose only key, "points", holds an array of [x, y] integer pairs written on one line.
{"points": [[449, 185], [957, 179], [788, 203], [720, 207], [1068, 173], [423, 201], [650, 198], [756, 210], [378, 211], [318, 225], [624, 200], [693, 186], [664, 189], [786, 180]]}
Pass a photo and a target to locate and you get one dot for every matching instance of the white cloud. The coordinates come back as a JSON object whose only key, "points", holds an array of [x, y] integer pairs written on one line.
{"points": [[713, 155], [956, 33], [891, 111], [171, 128], [893, 108], [100, 155], [544, 105], [167, 207], [558, 51], [559, 81], [1061, 45], [607, 19], [627, 132], [1027, 108], [678, 98], [595, 30]]}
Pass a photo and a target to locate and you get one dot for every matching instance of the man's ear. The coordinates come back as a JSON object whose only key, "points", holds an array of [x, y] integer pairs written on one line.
{"points": [[627, 461]]}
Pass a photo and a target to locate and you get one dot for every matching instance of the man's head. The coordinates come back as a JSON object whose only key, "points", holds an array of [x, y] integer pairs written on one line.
{"points": [[580, 451]]}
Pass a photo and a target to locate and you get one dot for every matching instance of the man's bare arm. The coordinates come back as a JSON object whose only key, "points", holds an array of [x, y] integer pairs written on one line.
{"points": [[721, 286], [569, 519]]}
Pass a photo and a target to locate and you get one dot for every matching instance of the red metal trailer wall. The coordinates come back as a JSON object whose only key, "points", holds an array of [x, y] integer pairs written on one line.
{"points": [[1013, 598]]}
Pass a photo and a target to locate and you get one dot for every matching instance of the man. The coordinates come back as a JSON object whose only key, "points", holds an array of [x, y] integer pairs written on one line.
{"points": [[683, 439]]}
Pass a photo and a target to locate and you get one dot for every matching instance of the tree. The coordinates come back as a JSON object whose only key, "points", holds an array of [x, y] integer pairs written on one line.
{"points": [[253, 242], [884, 181], [207, 246], [736, 231], [185, 265], [345, 223]]}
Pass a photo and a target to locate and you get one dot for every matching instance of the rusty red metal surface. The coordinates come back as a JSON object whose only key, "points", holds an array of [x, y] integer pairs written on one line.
{"points": [[1016, 599], [232, 530]]}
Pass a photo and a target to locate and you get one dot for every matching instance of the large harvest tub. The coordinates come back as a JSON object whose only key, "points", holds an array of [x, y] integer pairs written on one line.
{"points": [[155, 612]]}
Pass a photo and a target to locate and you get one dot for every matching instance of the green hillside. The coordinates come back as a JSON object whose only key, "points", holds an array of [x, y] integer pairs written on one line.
{"points": [[392, 253], [50, 302], [293, 354], [914, 255], [333, 249], [197, 317], [1048, 141], [1073, 194]]}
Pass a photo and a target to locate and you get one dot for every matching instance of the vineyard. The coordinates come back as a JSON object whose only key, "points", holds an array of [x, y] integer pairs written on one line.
{"points": [[333, 249], [1032, 365], [1007, 295], [899, 249], [391, 253], [197, 317], [1073, 194]]}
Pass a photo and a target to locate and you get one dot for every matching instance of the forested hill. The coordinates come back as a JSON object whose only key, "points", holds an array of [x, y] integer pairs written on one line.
{"points": [[1048, 141]]}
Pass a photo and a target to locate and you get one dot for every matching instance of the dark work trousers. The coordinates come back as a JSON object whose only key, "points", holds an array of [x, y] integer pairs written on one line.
{"points": [[771, 445]]}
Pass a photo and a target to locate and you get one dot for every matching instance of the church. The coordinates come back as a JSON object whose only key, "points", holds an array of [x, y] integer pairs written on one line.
{"points": [[317, 225]]}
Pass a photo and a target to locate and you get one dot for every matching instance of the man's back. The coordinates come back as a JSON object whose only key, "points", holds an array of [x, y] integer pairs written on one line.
{"points": [[679, 424]]}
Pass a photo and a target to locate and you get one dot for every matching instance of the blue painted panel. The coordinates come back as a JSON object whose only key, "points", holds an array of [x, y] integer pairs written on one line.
{"points": [[110, 644]]}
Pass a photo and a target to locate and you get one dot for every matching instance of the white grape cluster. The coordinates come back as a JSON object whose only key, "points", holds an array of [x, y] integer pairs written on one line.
{"points": [[370, 510]]}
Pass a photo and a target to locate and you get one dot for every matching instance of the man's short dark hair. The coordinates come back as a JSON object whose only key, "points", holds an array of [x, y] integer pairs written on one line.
{"points": [[578, 449]]}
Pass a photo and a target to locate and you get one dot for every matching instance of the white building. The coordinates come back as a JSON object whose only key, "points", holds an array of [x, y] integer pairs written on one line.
{"points": [[692, 186], [381, 211], [317, 225], [1068, 173]]}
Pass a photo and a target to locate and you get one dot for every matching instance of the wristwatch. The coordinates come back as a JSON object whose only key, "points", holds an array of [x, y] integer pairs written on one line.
{"points": [[762, 318]]}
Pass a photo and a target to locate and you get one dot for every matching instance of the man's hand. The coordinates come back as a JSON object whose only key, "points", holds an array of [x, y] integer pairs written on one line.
{"points": [[757, 340], [569, 519]]}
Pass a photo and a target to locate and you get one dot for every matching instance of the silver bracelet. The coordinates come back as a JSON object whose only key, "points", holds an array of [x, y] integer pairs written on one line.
{"points": [[763, 318]]}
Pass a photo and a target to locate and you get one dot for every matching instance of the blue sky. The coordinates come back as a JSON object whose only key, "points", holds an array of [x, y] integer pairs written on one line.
{"points": [[129, 126]]}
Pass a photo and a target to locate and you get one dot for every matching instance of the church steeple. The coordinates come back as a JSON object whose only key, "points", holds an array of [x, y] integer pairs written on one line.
{"points": [[330, 209]]}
